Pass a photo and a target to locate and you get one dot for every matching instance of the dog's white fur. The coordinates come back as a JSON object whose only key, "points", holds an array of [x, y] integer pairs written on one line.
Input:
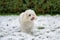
{"points": [[25, 20]]}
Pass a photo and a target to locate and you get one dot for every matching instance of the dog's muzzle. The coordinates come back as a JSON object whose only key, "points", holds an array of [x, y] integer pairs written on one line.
{"points": [[32, 18]]}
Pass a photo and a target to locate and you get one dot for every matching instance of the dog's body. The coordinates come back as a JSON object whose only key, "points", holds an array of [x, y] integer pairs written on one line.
{"points": [[26, 21]]}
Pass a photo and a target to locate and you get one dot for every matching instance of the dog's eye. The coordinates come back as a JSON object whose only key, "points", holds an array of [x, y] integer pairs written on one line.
{"points": [[29, 14]]}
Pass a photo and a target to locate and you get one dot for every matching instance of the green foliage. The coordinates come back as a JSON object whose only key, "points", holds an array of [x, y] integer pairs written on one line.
{"points": [[40, 6]]}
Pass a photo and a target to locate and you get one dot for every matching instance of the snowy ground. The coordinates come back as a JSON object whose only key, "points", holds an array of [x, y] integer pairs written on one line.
{"points": [[46, 28]]}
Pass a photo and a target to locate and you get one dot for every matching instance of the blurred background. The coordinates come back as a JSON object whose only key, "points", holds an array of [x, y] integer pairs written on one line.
{"points": [[8, 7]]}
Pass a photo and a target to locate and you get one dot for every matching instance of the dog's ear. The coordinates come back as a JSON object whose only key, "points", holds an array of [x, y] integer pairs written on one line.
{"points": [[25, 13], [24, 17]]}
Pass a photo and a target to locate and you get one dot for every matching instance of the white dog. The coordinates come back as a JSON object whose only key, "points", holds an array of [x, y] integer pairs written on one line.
{"points": [[27, 21]]}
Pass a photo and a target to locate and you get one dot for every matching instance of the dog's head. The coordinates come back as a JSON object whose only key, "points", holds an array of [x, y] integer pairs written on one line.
{"points": [[29, 15]]}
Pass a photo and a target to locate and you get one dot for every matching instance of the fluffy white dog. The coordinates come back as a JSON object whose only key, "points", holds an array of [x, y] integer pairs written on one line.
{"points": [[27, 21]]}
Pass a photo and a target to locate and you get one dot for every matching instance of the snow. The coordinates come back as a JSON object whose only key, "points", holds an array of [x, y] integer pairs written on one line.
{"points": [[10, 28]]}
